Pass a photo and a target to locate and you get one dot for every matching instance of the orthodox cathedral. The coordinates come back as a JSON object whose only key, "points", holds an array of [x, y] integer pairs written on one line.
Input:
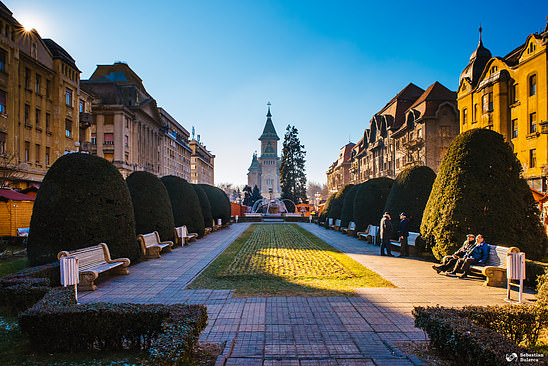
{"points": [[264, 170]]}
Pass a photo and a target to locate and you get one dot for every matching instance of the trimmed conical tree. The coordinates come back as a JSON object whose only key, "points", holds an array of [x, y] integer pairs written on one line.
{"points": [[370, 201], [220, 204], [185, 204], [409, 194], [325, 211], [347, 211], [480, 190], [82, 201], [204, 204], [335, 209], [151, 205]]}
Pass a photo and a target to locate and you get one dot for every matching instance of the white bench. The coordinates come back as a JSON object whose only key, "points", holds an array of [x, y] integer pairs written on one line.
{"points": [[93, 261], [183, 237], [152, 246], [396, 245], [370, 234], [351, 229]]}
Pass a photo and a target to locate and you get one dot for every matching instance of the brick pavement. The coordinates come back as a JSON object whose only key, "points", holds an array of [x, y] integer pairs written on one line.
{"points": [[276, 331]]}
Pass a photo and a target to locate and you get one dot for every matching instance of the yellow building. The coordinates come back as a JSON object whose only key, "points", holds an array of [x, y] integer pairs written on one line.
{"points": [[509, 95]]}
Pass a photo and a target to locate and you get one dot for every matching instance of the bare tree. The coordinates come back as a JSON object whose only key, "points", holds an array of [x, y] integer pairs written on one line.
{"points": [[226, 187], [10, 170]]}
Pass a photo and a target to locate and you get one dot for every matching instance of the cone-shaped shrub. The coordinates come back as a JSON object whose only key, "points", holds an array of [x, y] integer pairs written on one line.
{"points": [[347, 211], [204, 204], [220, 204], [151, 205], [479, 190], [325, 212], [82, 201], [185, 204], [409, 194], [335, 210], [369, 202]]}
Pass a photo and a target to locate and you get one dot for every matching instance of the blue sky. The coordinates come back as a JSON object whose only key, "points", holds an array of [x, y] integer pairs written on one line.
{"points": [[326, 66]]}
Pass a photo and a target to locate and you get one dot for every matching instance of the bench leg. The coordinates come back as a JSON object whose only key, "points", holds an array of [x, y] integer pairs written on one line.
{"points": [[494, 277], [153, 252], [87, 282], [121, 270]]}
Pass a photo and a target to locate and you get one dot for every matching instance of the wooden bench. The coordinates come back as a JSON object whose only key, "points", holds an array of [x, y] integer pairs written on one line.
{"points": [[396, 245], [183, 237], [350, 230], [95, 260], [336, 225], [152, 246], [495, 270], [370, 234]]}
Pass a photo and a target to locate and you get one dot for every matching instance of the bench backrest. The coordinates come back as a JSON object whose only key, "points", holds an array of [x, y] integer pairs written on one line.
{"points": [[181, 231], [497, 256], [330, 221], [338, 222], [352, 225], [412, 237], [151, 239], [88, 257]]}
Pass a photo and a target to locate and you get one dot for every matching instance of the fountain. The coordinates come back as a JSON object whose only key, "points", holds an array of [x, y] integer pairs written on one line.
{"points": [[272, 207]]}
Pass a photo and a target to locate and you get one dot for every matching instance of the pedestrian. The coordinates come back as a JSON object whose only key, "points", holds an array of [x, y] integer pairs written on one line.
{"points": [[386, 234], [404, 233]]}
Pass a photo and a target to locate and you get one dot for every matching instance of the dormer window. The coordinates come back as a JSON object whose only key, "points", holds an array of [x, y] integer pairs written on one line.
{"points": [[494, 69], [531, 48]]}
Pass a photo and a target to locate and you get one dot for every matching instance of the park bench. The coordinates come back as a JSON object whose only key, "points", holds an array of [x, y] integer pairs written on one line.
{"points": [[152, 246], [93, 261], [370, 234], [351, 229], [336, 225], [495, 269], [329, 223], [183, 237], [396, 245], [215, 226]]}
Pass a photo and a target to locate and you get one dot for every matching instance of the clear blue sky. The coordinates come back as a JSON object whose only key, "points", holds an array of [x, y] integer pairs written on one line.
{"points": [[326, 66]]}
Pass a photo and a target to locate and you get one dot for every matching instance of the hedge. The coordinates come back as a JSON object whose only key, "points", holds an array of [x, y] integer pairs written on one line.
{"points": [[82, 201], [185, 204], [167, 332], [335, 209], [220, 204], [204, 204], [479, 189], [462, 340], [409, 194], [369, 202], [151, 205], [325, 211], [347, 211]]}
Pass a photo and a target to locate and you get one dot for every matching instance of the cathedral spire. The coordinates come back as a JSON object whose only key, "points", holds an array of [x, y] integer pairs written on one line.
{"points": [[480, 29], [268, 113], [269, 132]]}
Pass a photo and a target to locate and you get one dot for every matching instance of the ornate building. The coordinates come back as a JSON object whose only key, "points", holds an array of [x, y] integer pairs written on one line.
{"points": [[510, 95], [201, 163], [175, 157], [338, 174], [264, 170]]}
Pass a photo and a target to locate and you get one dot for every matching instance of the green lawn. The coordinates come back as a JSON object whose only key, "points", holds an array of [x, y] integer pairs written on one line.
{"points": [[11, 265], [285, 260]]}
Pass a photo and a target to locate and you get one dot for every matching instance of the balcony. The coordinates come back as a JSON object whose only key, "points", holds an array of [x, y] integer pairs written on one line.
{"points": [[414, 144], [85, 120]]}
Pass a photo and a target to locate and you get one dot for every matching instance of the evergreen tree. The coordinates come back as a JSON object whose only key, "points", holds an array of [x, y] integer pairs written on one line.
{"points": [[247, 196], [292, 172], [255, 195]]}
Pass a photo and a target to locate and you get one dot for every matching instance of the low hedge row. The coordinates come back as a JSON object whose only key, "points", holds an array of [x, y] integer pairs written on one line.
{"points": [[458, 336], [167, 332]]}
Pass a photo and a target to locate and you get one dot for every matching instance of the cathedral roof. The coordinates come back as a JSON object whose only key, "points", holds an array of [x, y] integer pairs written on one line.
{"points": [[478, 60], [255, 165], [269, 131]]}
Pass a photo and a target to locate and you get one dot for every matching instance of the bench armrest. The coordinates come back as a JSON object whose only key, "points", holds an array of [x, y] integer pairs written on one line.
{"points": [[166, 242], [126, 261]]}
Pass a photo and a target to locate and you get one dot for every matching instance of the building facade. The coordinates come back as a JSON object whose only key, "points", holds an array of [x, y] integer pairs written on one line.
{"points": [[264, 171], [43, 112], [127, 128], [338, 174], [176, 152], [202, 163], [510, 95]]}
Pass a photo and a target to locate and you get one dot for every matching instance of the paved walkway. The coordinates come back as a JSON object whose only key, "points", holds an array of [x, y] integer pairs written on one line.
{"points": [[361, 330]]}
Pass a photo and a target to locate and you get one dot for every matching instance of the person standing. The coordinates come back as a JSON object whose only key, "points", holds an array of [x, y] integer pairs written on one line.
{"points": [[404, 233], [386, 234]]}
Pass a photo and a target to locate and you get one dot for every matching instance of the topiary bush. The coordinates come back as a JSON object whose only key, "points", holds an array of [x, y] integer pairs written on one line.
{"points": [[347, 210], [220, 204], [325, 212], [369, 202], [204, 204], [151, 205], [479, 189], [82, 201], [409, 194], [335, 209], [185, 204]]}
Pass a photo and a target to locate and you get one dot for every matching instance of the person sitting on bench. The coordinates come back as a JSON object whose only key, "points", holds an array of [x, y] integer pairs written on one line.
{"points": [[477, 255], [448, 262]]}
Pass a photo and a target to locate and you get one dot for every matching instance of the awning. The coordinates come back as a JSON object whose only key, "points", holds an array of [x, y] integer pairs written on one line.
{"points": [[9, 195]]}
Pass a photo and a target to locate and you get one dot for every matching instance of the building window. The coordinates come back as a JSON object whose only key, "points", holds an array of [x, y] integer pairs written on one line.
{"points": [[47, 155], [27, 151], [37, 84], [37, 113], [531, 48], [513, 93], [532, 122], [3, 137], [48, 88], [494, 69], [487, 101], [68, 127], [27, 79], [3, 97], [3, 58], [94, 138], [514, 128], [126, 140], [108, 119], [48, 116], [82, 106], [37, 156], [464, 116], [475, 116], [68, 97], [27, 115], [109, 139], [532, 158], [532, 85]]}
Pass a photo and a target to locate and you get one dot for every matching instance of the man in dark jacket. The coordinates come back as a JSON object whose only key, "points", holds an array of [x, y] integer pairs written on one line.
{"points": [[449, 261], [477, 255], [404, 233], [386, 234]]}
